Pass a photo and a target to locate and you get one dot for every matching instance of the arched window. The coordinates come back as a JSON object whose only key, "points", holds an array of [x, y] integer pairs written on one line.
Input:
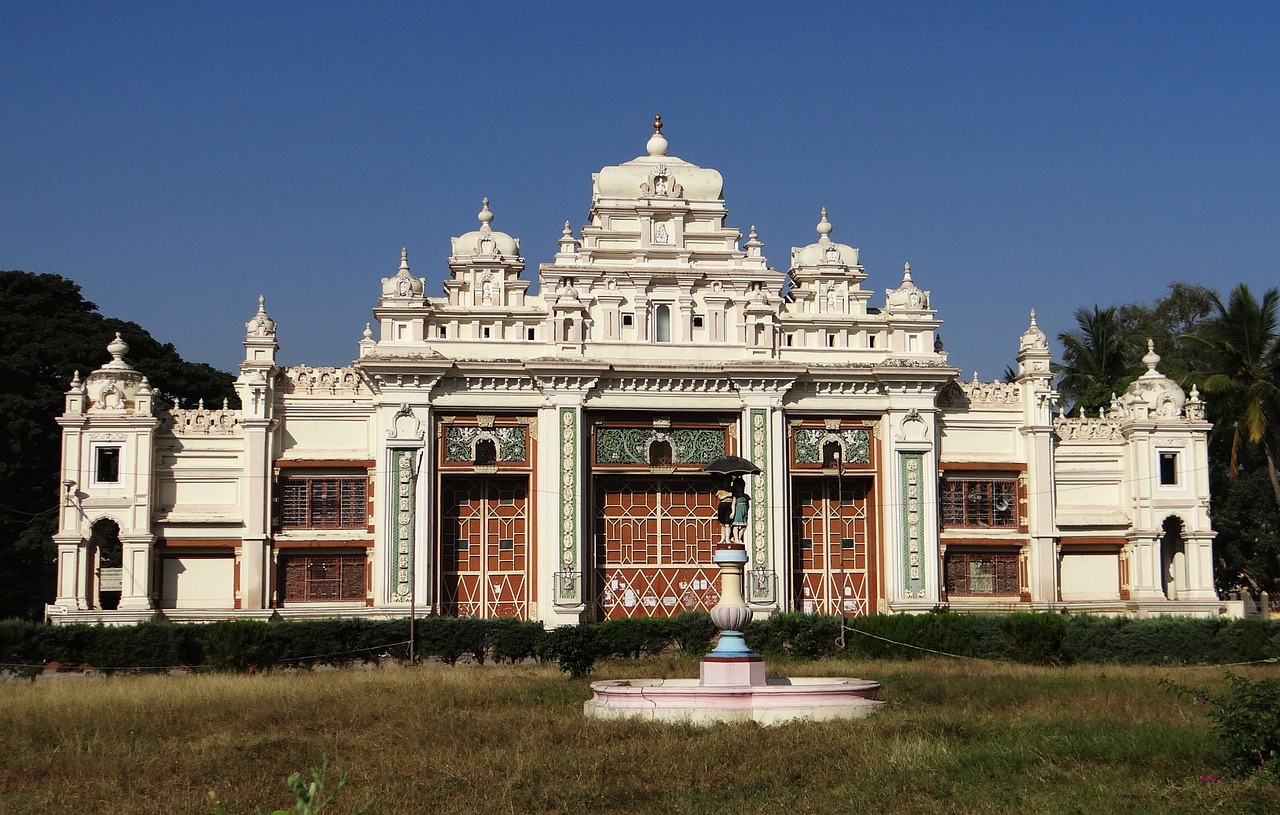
{"points": [[486, 453], [660, 454], [662, 323]]}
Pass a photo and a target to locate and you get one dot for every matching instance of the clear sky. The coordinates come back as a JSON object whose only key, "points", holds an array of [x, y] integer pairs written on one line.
{"points": [[178, 159]]}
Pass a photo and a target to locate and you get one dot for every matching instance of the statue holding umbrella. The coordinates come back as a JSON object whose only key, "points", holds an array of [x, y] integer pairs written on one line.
{"points": [[734, 508]]}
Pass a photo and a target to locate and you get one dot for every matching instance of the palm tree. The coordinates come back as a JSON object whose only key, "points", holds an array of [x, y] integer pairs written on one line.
{"points": [[1245, 345], [1098, 359]]}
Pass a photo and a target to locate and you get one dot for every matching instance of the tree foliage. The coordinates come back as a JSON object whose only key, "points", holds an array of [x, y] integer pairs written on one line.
{"points": [[47, 332], [1098, 359]]}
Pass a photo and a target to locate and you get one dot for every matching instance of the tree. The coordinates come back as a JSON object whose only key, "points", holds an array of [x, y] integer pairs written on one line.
{"points": [[1172, 322], [1245, 376], [1098, 359], [47, 332]]}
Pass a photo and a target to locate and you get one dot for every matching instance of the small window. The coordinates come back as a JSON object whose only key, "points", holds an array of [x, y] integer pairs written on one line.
{"points": [[484, 333], [317, 577], [831, 340], [697, 321], [871, 340], [529, 335], [789, 340], [107, 465], [981, 574], [628, 319], [442, 332], [324, 502], [1168, 469], [662, 323], [980, 502]]}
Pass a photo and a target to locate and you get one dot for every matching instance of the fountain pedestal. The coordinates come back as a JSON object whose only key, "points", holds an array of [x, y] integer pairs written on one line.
{"points": [[733, 686]]}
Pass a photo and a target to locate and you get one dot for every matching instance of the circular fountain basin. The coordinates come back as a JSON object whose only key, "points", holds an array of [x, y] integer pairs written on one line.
{"points": [[778, 700]]}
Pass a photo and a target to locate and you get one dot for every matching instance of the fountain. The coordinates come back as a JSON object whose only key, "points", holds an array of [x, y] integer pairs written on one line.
{"points": [[732, 684]]}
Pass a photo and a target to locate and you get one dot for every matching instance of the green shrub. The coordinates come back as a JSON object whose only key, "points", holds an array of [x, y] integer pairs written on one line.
{"points": [[634, 637], [694, 632], [513, 640], [572, 647], [22, 647], [1246, 720], [1033, 638], [240, 645], [804, 636]]}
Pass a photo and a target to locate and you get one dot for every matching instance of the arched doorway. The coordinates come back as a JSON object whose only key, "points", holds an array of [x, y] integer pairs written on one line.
{"points": [[107, 555], [1173, 558]]}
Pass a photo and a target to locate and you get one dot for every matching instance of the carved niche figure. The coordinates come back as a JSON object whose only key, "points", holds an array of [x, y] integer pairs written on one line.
{"points": [[486, 289], [660, 234]]}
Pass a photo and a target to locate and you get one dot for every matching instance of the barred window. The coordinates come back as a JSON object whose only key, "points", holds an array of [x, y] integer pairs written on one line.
{"points": [[981, 574], [322, 577], [980, 502], [323, 502]]}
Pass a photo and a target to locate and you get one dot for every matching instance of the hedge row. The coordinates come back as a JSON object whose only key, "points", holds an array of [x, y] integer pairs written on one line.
{"points": [[243, 645], [1063, 639]]}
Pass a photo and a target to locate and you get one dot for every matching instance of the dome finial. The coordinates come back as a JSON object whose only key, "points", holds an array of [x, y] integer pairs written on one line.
{"points": [[404, 258], [824, 228], [657, 145], [1151, 359], [486, 215], [906, 273]]}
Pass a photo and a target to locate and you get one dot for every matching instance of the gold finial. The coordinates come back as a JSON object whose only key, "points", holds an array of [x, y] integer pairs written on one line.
{"points": [[657, 123]]}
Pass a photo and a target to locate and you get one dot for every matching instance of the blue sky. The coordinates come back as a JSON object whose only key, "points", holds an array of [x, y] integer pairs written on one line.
{"points": [[179, 159]]}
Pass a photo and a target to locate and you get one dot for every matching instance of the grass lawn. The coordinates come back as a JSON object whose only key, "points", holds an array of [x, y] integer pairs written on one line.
{"points": [[962, 737]]}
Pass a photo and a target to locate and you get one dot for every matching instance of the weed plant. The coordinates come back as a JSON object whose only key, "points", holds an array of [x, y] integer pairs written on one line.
{"points": [[956, 737]]}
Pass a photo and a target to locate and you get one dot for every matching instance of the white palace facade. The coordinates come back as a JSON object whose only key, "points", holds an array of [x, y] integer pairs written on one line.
{"points": [[500, 453]]}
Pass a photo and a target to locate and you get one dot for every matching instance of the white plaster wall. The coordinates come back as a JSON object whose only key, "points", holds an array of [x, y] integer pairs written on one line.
{"points": [[198, 582], [1090, 576]]}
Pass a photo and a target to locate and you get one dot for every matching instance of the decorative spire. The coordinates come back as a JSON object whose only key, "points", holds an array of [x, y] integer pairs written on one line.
{"points": [[404, 258], [485, 215], [1033, 318], [753, 244], [368, 332], [906, 274], [260, 325], [568, 245], [117, 348], [657, 145], [824, 228], [1151, 359]]}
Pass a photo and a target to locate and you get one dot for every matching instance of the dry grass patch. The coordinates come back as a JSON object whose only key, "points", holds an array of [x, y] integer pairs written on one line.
{"points": [[956, 737]]}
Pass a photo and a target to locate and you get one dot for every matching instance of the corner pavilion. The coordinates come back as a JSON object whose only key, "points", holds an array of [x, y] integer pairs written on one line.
{"points": [[492, 452]]}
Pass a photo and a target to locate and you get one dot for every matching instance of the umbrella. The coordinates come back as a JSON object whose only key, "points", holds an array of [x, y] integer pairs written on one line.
{"points": [[732, 465]]}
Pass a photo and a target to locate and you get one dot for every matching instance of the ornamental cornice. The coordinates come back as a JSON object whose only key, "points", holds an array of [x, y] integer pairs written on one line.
{"points": [[200, 421], [841, 387], [675, 384], [1087, 429], [499, 383], [323, 381]]}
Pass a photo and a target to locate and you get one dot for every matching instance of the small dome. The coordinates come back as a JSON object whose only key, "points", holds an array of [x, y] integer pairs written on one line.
{"points": [[907, 297], [1162, 396], [657, 175], [824, 251], [402, 285], [486, 241]]}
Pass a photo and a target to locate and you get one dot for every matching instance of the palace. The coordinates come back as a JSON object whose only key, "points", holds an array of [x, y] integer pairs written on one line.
{"points": [[495, 452]]}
